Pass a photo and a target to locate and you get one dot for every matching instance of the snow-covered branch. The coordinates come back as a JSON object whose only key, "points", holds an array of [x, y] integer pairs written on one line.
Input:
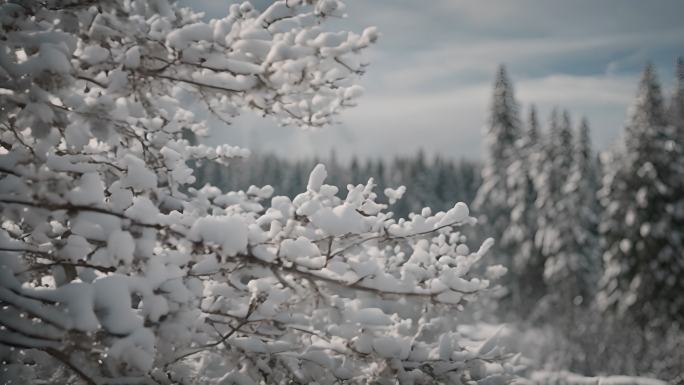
{"points": [[114, 268]]}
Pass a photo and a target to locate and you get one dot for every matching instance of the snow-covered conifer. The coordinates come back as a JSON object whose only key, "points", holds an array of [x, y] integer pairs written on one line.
{"points": [[676, 107], [566, 148], [555, 162], [525, 280], [642, 221], [572, 266], [502, 132], [546, 182], [532, 131]]}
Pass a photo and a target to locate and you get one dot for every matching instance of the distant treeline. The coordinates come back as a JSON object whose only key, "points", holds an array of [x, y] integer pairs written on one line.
{"points": [[437, 182]]}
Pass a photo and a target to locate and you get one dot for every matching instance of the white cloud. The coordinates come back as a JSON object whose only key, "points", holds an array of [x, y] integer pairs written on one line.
{"points": [[451, 122], [578, 90], [387, 123], [430, 77]]}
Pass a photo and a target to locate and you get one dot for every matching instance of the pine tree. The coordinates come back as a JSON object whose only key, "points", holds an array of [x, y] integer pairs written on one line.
{"points": [[420, 181], [642, 224], [354, 170], [379, 174], [470, 174], [502, 133], [676, 108], [571, 268], [533, 129], [565, 147], [335, 173], [547, 183], [443, 181], [526, 272]]}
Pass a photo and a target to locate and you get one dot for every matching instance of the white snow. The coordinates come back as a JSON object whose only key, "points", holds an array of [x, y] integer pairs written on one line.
{"points": [[89, 191], [183, 37], [132, 59], [338, 221], [229, 232], [317, 177], [568, 378], [395, 194], [303, 252], [143, 210], [120, 245], [138, 176]]}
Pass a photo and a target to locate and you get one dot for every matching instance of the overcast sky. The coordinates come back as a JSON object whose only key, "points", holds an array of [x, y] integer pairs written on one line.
{"points": [[429, 82]]}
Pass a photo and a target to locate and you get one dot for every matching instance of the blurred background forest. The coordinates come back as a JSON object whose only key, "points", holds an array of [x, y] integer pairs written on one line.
{"points": [[593, 241]]}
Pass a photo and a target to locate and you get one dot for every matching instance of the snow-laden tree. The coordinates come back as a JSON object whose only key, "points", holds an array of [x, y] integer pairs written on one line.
{"points": [[566, 145], [545, 183], [532, 132], [555, 161], [527, 266], [502, 132], [113, 270], [676, 107], [643, 215], [572, 269]]}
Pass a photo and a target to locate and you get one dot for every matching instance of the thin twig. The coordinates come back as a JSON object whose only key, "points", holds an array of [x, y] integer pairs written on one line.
{"points": [[65, 360]]}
